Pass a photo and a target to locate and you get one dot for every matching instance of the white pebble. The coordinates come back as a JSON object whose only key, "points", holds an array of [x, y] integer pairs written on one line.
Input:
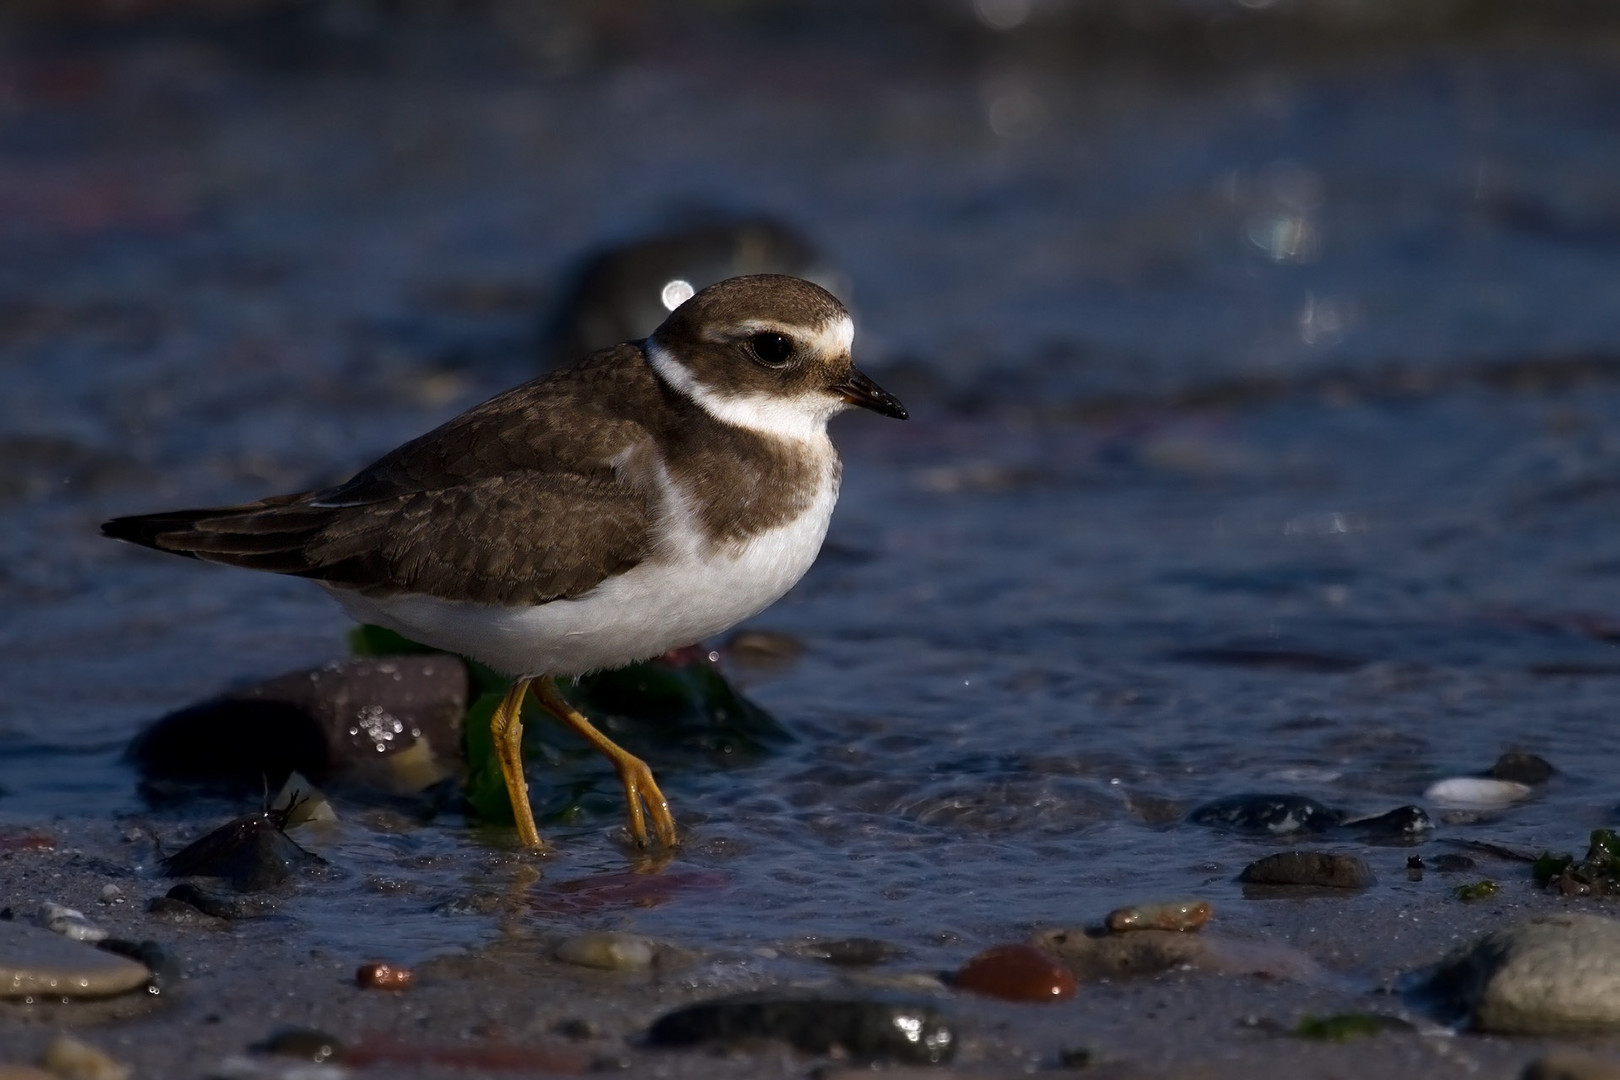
{"points": [[1475, 793]]}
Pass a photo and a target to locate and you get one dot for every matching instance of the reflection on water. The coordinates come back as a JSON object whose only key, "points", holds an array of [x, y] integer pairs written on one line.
{"points": [[1261, 441]]}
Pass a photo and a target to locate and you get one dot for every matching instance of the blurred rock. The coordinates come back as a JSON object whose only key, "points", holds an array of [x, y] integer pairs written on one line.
{"points": [[1553, 975], [1312, 868], [622, 292], [878, 1029], [1093, 955], [1180, 915], [848, 952], [71, 1059], [302, 1044], [1402, 825], [1572, 1065], [608, 950], [381, 976], [1521, 768], [38, 963], [1016, 973], [346, 721]]}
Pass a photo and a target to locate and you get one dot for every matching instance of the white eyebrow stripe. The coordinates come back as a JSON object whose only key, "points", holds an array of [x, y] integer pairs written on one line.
{"points": [[831, 338]]}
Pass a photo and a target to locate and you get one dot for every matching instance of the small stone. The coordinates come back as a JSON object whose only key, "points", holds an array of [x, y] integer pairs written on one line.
{"points": [[69, 923], [38, 963], [609, 950], [1475, 793], [1315, 868], [1523, 768], [304, 1044], [867, 1029], [1554, 975], [380, 976], [25, 1072], [112, 894], [1276, 815], [1572, 1065], [1180, 915], [1016, 973], [71, 1059]]}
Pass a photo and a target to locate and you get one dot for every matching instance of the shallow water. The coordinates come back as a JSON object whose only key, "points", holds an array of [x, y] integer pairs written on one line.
{"points": [[1263, 441]]}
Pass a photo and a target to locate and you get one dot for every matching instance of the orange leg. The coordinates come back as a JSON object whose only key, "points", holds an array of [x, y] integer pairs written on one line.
{"points": [[639, 785], [507, 728]]}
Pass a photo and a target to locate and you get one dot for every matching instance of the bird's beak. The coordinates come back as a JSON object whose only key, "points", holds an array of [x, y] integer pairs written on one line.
{"points": [[857, 389]]}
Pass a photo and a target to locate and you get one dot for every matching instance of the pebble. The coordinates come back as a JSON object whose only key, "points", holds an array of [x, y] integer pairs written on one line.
{"points": [[1276, 815], [1475, 793], [1553, 975], [70, 1059], [609, 950], [1572, 1065], [69, 923], [879, 1029], [1317, 868], [763, 648], [1016, 973], [251, 854], [381, 976], [1179, 915], [38, 963]]}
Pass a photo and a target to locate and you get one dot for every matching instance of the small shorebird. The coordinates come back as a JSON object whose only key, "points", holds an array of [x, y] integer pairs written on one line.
{"points": [[649, 496]]}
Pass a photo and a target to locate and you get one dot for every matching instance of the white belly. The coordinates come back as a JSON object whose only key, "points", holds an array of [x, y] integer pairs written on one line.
{"points": [[687, 592]]}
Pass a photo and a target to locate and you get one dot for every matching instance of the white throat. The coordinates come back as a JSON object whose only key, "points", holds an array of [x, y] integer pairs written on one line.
{"points": [[800, 418]]}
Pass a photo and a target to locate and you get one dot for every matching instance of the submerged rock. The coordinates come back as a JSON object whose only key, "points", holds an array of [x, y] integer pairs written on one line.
{"points": [[348, 720], [210, 904], [1402, 825], [1093, 955], [848, 952], [1016, 973], [251, 853], [1572, 1065], [869, 1029], [1521, 767], [1322, 869], [609, 950], [1554, 975], [302, 1044], [71, 1059], [1277, 815], [38, 963]]}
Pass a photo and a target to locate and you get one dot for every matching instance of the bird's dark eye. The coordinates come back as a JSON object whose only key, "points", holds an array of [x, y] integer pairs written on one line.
{"points": [[772, 349]]}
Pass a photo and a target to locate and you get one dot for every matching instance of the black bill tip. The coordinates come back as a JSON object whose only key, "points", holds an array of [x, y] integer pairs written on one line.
{"points": [[857, 389]]}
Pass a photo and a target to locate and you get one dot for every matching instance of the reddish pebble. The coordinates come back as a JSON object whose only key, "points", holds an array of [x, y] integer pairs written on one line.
{"points": [[384, 977], [1016, 973]]}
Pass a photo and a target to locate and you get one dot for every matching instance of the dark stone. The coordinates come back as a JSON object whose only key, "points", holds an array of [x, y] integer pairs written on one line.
{"points": [[159, 961], [1319, 868], [221, 907], [251, 853], [305, 1044], [1452, 864], [867, 1029], [341, 721], [1523, 768], [1402, 825], [1277, 815]]}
